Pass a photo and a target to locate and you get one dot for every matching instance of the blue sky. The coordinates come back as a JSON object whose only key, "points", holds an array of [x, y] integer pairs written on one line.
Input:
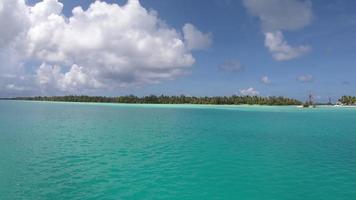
{"points": [[321, 57]]}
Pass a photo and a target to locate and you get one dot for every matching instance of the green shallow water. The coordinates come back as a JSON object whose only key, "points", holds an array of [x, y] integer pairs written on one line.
{"points": [[107, 151]]}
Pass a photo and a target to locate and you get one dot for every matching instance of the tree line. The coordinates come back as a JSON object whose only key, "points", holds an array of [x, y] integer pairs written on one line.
{"points": [[348, 100], [153, 99]]}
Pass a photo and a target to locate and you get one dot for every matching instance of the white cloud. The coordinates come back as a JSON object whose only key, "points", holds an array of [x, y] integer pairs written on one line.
{"points": [[107, 45], [249, 92], [14, 87], [16, 84], [281, 15], [231, 66], [13, 20], [266, 80], [195, 39], [43, 10], [305, 78], [280, 49], [76, 78], [50, 77]]}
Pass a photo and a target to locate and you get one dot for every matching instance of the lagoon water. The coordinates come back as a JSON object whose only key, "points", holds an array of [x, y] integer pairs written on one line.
{"points": [[106, 151]]}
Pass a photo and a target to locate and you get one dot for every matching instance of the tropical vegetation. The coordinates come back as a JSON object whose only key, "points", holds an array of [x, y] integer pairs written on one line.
{"points": [[348, 100], [153, 99]]}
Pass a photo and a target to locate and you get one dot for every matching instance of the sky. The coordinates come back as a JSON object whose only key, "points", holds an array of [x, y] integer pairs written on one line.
{"points": [[173, 47]]}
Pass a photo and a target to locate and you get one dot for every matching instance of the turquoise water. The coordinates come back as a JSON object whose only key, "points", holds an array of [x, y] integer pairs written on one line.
{"points": [[105, 151]]}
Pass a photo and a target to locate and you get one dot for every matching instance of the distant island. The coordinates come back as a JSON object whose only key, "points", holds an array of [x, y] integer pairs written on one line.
{"points": [[182, 99], [153, 99]]}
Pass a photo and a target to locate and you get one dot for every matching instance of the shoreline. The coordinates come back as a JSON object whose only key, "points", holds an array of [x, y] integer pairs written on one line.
{"points": [[225, 106], [243, 107], [157, 104]]}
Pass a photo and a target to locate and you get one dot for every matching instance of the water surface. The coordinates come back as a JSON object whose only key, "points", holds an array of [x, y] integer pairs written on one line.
{"points": [[116, 151]]}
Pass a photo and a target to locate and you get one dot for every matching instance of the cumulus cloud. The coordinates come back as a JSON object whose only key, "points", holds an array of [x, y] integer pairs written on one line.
{"points": [[231, 66], [281, 15], [14, 87], [266, 80], [280, 48], [195, 39], [249, 92], [305, 78], [16, 84], [105, 46], [51, 77], [13, 20]]}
